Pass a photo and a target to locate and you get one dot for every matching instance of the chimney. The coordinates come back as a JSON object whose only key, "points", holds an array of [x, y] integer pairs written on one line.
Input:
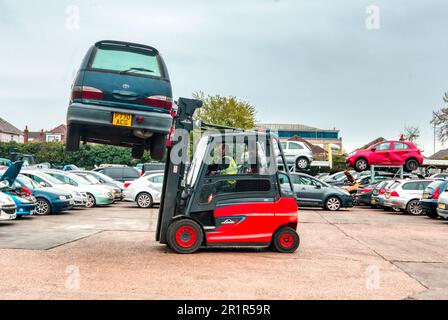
{"points": [[25, 135], [41, 135]]}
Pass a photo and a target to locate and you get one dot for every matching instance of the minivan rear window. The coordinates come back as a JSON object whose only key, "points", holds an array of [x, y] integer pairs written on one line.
{"points": [[130, 61]]}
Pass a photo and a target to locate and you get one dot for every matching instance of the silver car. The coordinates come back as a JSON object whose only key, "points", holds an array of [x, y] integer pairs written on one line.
{"points": [[297, 153], [405, 195]]}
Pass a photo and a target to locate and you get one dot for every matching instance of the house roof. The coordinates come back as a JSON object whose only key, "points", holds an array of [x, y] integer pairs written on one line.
{"points": [[291, 127], [440, 155], [6, 127], [59, 129], [314, 149], [371, 143]]}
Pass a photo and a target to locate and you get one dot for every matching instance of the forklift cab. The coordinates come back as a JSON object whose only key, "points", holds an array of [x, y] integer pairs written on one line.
{"points": [[231, 195]]}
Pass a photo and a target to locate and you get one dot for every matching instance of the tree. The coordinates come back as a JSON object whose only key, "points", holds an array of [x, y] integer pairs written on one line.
{"points": [[226, 111], [411, 133], [440, 121]]}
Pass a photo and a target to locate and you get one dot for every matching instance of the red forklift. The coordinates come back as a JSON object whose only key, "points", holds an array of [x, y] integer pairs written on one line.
{"points": [[253, 204]]}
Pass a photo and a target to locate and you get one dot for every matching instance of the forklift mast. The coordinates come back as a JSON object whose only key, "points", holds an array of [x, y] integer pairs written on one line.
{"points": [[174, 172]]}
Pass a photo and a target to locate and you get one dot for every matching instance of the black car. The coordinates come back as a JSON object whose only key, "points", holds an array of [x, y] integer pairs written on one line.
{"points": [[121, 173], [121, 96]]}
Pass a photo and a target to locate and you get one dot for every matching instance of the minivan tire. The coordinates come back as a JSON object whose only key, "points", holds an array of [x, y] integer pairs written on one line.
{"points": [[73, 138], [137, 153], [157, 146]]}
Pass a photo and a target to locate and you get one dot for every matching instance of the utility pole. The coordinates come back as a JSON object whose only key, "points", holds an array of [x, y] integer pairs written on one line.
{"points": [[434, 139]]}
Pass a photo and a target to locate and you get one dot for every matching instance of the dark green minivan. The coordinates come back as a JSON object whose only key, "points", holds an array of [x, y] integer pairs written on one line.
{"points": [[121, 96]]}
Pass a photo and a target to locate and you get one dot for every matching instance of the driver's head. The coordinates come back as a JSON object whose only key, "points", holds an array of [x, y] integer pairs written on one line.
{"points": [[224, 150]]}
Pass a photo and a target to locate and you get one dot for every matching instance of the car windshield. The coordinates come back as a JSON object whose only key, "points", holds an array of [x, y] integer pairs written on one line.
{"points": [[102, 176], [49, 179], [130, 62], [79, 179], [27, 182], [90, 178]]}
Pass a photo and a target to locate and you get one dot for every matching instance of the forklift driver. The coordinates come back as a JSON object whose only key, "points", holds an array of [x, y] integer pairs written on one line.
{"points": [[224, 164]]}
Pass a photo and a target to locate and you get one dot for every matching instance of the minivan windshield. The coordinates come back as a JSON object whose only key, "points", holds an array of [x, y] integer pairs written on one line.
{"points": [[129, 62]]}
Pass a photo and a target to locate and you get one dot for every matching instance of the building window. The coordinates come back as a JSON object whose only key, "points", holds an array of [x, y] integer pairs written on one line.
{"points": [[53, 138], [12, 138]]}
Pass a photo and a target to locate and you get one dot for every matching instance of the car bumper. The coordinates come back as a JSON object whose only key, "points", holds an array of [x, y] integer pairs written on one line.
{"points": [[62, 205], [104, 200], [429, 205], [443, 212], [363, 199], [395, 203], [97, 115], [377, 201], [25, 209], [8, 213], [347, 201]]}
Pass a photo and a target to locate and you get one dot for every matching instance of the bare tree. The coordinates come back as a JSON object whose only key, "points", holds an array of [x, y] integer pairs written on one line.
{"points": [[440, 121], [411, 133]]}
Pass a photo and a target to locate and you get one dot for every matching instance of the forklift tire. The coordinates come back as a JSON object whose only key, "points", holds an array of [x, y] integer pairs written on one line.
{"points": [[184, 236], [73, 138], [286, 240], [157, 146]]}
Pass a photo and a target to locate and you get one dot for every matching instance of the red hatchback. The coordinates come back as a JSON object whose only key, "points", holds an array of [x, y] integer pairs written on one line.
{"points": [[387, 153]]}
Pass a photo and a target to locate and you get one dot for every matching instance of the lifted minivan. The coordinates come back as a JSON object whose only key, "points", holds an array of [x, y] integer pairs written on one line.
{"points": [[121, 96]]}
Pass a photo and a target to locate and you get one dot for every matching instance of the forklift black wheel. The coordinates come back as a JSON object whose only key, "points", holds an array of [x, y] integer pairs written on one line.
{"points": [[286, 240], [184, 236]]}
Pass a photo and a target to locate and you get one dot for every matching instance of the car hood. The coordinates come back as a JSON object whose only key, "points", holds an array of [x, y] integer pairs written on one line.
{"points": [[50, 192], [12, 172], [5, 199]]}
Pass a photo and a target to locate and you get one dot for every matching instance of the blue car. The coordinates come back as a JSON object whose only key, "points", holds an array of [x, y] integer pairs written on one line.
{"points": [[26, 203], [431, 197], [47, 200], [121, 96]]}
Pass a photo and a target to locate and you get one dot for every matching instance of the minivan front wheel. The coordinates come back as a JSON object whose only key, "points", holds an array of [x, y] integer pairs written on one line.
{"points": [[73, 138], [157, 146]]}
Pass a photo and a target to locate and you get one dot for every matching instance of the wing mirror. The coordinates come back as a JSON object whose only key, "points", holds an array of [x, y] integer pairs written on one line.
{"points": [[373, 149], [318, 187]]}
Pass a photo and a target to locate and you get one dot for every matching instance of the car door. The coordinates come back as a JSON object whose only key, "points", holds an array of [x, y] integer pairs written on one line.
{"points": [[307, 191], [399, 153], [380, 154]]}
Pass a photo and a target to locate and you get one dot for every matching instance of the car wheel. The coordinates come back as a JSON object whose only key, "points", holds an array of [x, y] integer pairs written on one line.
{"points": [[137, 153], [411, 165], [73, 138], [414, 207], [144, 200], [43, 207], [333, 204], [361, 165], [286, 240], [158, 146], [302, 163], [184, 236], [395, 209], [91, 202]]}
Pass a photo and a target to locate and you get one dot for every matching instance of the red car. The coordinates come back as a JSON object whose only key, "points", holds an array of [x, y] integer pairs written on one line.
{"points": [[387, 153]]}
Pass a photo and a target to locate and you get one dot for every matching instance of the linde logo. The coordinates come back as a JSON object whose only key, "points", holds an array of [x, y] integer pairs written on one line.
{"points": [[228, 221]]}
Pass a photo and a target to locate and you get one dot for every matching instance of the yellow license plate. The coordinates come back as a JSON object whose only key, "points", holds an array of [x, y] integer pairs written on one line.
{"points": [[441, 206], [122, 119], [373, 201]]}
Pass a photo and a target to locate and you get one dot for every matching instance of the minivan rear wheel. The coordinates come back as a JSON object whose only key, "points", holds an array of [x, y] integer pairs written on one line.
{"points": [[157, 146], [73, 138], [137, 153], [302, 163]]}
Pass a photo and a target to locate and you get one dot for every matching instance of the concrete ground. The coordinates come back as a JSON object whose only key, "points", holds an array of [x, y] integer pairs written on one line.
{"points": [[110, 253]]}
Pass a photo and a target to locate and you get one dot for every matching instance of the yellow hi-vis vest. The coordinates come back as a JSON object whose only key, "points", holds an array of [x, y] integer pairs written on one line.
{"points": [[232, 168]]}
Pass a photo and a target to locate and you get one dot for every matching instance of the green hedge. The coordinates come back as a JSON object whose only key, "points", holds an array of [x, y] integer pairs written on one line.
{"points": [[87, 157]]}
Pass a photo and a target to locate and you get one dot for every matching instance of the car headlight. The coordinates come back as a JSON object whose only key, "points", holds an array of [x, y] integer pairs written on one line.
{"points": [[62, 198], [76, 194]]}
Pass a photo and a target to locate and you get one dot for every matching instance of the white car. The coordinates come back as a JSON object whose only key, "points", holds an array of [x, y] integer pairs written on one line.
{"points": [[406, 194], [45, 180], [7, 207], [145, 191], [442, 205], [297, 153]]}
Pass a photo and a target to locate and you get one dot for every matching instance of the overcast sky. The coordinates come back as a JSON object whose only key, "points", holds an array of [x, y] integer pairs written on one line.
{"points": [[311, 61]]}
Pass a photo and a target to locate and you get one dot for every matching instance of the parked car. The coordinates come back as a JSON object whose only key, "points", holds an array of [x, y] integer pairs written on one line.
{"points": [[5, 162], [122, 173], [311, 192], [297, 153], [403, 153], [45, 180], [360, 183], [97, 195], [377, 199], [101, 177], [443, 176], [121, 96], [406, 194], [7, 206], [364, 194], [152, 166], [322, 175], [145, 191], [49, 200], [22, 197], [116, 191], [442, 205], [430, 197]]}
